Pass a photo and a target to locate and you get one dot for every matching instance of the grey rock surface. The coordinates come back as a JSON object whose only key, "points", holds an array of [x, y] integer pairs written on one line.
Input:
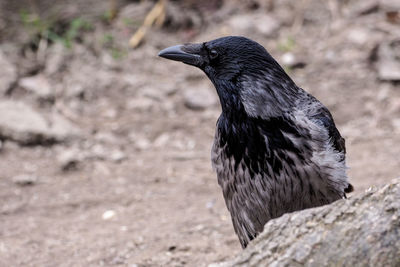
{"points": [[56, 59], [8, 74], [199, 98], [265, 25], [70, 159], [38, 85], [388, 64], [363, 230], [21, 123], [25, 179], [390, 5], [290, 60]]}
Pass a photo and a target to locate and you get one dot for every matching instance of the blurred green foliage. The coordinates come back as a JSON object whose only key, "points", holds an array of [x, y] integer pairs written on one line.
{"points": [[76, 26], [68, 32], [131, 23], [287, 45], [51, 30], [108, 42], [107, 16]]}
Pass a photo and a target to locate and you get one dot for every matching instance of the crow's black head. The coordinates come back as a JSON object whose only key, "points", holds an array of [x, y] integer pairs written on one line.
{"points": [[243, 72]]}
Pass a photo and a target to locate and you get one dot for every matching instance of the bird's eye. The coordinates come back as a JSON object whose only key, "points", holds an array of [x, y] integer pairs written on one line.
{"points": [[213, 54]]}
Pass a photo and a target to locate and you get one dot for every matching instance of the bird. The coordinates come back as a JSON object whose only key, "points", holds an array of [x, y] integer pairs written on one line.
{"points": [[276, 148]]}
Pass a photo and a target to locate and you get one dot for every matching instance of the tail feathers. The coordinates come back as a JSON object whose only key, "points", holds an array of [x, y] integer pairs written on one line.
{"points": [[349, 189]]}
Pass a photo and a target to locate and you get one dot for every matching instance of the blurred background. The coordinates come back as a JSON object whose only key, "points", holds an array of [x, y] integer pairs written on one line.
{"points": [[105, 148]]}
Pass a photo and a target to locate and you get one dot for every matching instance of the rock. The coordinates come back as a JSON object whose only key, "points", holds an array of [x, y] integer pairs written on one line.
{"points": [[117, 156], [38, 85], [359, 36], [98, 151], [392, 10], [101, 152], [141, 143], [162, 140], [110, 113], [267, 25], [292, 61], [387, 56], [108, 214], [107, 138], [21, 123], [390, 5], [364, 7], [8, 74], [360, 231], [56, 59], [180, 17], [78, 80], [70, 159], [199, 98], [396, 125], [393, 17], [140, 104], [25, 179], [261, 24], [61, 129], [2, 24]]}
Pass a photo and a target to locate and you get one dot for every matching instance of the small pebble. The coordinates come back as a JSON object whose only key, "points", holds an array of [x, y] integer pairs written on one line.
{"points": [[109, 214], [25, 179]]}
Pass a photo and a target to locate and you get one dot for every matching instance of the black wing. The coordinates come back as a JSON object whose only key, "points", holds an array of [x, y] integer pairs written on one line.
{"points": [[322, 115], [325, 118], [316, 111]]}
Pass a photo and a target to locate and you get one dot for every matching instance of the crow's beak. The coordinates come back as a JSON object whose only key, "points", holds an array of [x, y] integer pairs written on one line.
{"points": [[188, 54]]}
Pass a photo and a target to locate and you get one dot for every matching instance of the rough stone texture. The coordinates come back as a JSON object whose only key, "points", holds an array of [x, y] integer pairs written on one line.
{"points": [[390, 5], [265, 26], [388, 65], [56, 59], [199, 98], [387, 60], [8, 74], [361, 231], [291, 60], [70, 159], [38, 85], [21, 123], [25, 179]]}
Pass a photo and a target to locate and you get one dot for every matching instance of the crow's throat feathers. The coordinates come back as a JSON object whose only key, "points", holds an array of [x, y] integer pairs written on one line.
{"points": [[261, 142]]}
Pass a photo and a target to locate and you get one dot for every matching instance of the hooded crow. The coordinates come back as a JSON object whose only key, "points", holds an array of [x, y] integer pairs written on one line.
{"points": [[276, 148]]}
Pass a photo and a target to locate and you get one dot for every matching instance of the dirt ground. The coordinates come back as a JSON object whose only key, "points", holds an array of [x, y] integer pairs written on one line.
{"points": [[138, 188]]}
